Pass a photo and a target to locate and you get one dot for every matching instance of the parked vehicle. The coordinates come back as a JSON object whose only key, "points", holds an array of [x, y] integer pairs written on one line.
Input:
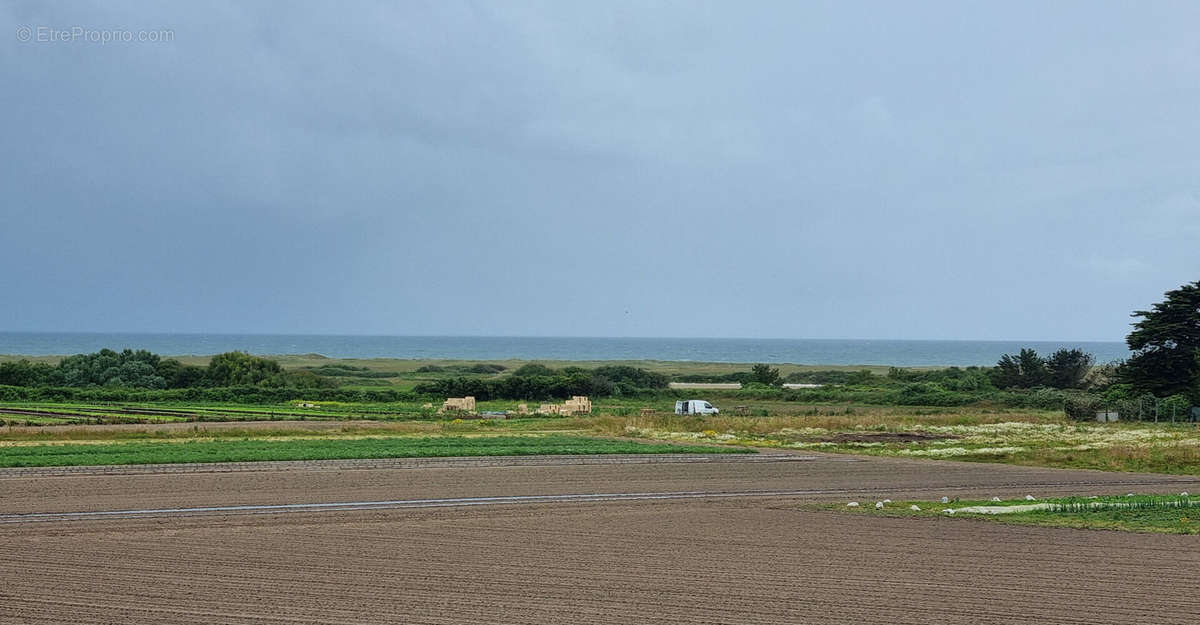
{"points": [[695, 406]]}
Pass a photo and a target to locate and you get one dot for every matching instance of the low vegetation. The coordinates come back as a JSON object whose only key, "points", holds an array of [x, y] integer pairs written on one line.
{"points": [[347, 371], [1167, 514], [478, 368], [1025, 438], [538, 382], [258, 449], [1028, 409], [129, 369]]}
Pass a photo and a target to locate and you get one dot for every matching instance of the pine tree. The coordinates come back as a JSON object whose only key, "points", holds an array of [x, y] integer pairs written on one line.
{"points": [[1166, 345]]}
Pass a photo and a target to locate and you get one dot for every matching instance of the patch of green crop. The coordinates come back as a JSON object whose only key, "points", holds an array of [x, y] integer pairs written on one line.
{"points": [[248, 450], [1162, 514]]}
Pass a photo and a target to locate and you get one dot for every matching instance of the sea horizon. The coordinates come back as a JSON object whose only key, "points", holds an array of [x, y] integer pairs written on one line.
{"points": [[834, 352]]}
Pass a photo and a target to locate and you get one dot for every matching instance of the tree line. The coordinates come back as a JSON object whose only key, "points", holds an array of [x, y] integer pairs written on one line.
{"points": [[537, 381], [1165, 363], [1064, 369], [142, 369]]}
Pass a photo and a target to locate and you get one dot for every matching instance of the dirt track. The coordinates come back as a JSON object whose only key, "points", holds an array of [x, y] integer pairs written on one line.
{"points": [[737, 560]]}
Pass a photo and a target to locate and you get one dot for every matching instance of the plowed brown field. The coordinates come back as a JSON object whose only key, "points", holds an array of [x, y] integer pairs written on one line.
{"points": [[745, 559]]}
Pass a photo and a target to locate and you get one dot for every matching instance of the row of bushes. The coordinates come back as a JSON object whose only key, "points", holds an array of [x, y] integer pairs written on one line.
{"points": [[512, 387], [1065, 370], [548, 387], [537, 388], [478, 368], [915, 394], [950, 378], [145, 370], [540, 382]]}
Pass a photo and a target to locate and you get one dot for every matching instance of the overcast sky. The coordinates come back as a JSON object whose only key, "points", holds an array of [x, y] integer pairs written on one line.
{"points": [[842, 170]]}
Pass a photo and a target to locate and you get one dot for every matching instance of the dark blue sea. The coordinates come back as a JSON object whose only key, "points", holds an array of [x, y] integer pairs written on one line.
{"points": [[798, 351]]}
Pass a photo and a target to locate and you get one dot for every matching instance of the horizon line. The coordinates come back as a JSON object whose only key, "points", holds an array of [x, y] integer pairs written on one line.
{"points": [[550, 336]]}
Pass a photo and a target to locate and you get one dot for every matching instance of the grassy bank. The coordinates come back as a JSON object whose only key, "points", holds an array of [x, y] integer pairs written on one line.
{"points": [[1143, 513], [1013, 437], [248, 450]]}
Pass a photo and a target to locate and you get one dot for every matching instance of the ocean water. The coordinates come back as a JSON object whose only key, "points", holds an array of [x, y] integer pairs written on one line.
{"points": [[798, 351]]}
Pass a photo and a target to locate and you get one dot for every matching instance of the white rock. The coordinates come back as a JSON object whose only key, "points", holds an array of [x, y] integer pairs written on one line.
{"points": [[945, 500], [890, 501], [852, 504], [879, 505], [915, 508], [995, 499], [949, 511], [1129, 494], [1030, 498]]}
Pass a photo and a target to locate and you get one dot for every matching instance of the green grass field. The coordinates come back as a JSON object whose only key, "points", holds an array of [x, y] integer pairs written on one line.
{"points": [[246, 450], [1162, 514]]}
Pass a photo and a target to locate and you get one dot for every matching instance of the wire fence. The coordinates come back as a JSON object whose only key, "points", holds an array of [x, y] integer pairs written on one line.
{"points": [[1175, 409]]}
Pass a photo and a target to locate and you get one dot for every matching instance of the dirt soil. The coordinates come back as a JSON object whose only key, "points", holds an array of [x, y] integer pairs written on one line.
{"points": [[737, 560]]}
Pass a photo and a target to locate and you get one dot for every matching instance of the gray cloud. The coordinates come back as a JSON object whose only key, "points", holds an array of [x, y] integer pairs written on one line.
{"points": [[782, 170]]}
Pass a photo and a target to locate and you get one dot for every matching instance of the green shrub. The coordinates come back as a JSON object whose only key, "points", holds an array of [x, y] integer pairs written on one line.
{"points": [[1082, 407], [632, 378], [830, 377], [480, 368], [533, 369], [599, 382], [1174, 407], [348, 371], [1118, 393], [25, 373]]}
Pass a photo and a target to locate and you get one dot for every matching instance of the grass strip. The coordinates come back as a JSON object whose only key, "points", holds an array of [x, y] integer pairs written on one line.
{"points": [[329, 449], [1159, 514]]}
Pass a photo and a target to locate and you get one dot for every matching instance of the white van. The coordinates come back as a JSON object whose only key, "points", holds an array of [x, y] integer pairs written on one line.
{"points": [[695, 406]]}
